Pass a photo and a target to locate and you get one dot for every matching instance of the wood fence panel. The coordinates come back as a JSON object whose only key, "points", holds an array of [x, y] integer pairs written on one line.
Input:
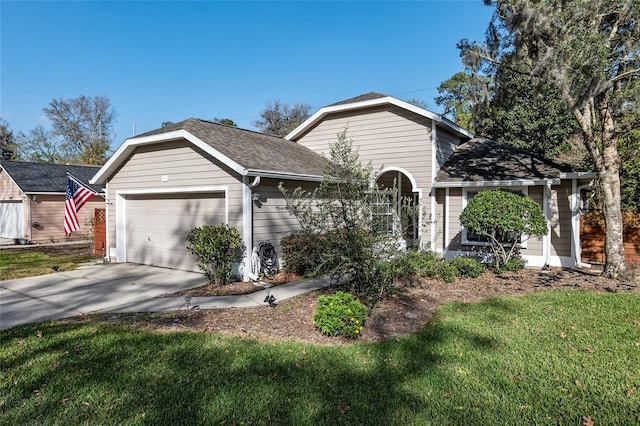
{"points": [[99, 231], [592, 241]]}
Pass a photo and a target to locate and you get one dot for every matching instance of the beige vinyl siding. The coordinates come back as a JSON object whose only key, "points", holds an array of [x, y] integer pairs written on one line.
{"points": [[48, 212], [184, 167], [270, 222], [8, 189], [438, 241], [534, 244], [387, 136], [455, 210], [446, 144], [561, 219]]}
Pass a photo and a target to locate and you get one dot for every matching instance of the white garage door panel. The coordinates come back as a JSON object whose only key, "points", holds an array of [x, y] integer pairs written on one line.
{"points": [[11, 219], [157, 226]]}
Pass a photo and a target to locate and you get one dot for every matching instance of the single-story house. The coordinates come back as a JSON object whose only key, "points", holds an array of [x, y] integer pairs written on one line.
{"points": [[32, 201], [162, 183]]}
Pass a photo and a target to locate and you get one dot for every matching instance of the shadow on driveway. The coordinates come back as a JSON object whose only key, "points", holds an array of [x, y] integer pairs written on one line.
{"points": [[102, 288]]}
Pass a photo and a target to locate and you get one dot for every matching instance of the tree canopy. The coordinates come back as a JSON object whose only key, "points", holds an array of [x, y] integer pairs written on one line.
{"points": [[85, 125], [279, 119], [587, 52], [41, 146], [8, 146]]}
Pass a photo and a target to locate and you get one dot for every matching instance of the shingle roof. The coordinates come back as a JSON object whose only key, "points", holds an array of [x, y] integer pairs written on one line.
{"points": [[38, 177], [361, 98], [252, 150], [486, 160]]}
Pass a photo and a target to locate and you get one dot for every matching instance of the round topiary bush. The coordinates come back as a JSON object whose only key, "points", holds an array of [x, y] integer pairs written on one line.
{"points": [[340, 315]]}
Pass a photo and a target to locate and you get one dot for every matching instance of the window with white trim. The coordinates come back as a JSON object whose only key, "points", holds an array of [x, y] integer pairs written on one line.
{"points": [[383, 216], [473, 239]]}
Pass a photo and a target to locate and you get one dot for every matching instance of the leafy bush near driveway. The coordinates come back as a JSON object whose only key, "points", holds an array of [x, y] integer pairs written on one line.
{"points": [[217, 249]]}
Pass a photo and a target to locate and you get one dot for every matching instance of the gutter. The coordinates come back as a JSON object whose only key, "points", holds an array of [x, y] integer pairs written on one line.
{"points": [[497, 183], [282, 175]]}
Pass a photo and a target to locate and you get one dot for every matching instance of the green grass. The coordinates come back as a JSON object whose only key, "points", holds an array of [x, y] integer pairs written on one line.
{"points": [[31, 262], [545, 358]]}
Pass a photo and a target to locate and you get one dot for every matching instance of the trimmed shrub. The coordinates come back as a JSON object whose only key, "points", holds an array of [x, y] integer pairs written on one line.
{"points": [[447, 271], [467, 266], [302, 253], [515, 263], [340, 315], [217, 249]]}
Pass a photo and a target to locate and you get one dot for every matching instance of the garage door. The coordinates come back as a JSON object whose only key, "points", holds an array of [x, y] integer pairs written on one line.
{"points": [[157, 226], [11, 219]]}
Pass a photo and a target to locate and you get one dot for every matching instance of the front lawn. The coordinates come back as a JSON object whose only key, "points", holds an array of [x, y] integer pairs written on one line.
{"points": [[21, 263], [556, 357]]}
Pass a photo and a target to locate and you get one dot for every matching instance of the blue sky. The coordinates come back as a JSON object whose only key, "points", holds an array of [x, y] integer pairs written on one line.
{"points": [[167, 61]]}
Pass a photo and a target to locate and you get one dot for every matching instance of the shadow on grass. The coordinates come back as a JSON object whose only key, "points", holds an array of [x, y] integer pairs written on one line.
{"points": [[121, 375], [107, 373]]}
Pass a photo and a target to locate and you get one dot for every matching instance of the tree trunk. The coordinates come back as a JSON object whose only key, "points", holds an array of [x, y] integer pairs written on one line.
{"points": [[610, 178], [607, 164]]}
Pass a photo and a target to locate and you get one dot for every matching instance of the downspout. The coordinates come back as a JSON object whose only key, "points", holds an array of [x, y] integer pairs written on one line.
{"points": [[107, 246], [247, 225], [546, 202], [29, 223], [576, 247], [432, 193]]}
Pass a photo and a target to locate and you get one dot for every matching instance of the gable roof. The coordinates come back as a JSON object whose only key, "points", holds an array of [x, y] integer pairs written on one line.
{"points": [[374, 99], [39, 177], [480, 161], [247, 152]]}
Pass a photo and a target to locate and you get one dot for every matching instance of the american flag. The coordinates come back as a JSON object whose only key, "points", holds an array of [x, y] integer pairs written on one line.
{"points": [[77, 196]]}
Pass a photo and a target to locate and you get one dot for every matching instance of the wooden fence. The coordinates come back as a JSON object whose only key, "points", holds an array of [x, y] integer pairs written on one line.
{"points": [[592, 241]]}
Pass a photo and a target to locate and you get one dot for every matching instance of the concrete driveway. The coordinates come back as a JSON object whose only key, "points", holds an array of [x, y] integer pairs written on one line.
{"points": [[104, 288]]}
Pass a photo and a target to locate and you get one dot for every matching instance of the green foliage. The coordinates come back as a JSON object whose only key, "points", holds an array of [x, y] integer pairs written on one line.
{"points": [[458, 96], [629, 149], [413, 266], [302, 253], [515, 263], [8, 146], [340, 210], [32, 261], [217, 249], [504, 217], [550, 357], [526, 115], [467, 266], [587, 51], [340, 315], [225, 121]]}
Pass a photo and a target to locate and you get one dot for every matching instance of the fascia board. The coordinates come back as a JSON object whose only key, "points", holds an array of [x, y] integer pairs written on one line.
{"points": [[322, 112], [283, 175], [578, 175], [13, 180], [132, 143], [496, 183]]}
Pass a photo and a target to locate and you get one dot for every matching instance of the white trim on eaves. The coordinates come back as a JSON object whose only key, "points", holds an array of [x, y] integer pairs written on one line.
{"points": [[390, 100], [131, 144]]}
